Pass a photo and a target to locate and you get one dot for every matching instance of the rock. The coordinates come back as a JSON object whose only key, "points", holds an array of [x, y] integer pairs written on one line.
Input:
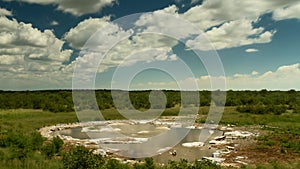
{"points": [[230, 147], [215, 160], [215, 142], [216, 154], [242, 134], [219, 138], [193, 144]]}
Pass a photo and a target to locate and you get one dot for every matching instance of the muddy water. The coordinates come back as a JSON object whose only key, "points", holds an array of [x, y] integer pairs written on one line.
{"points": [[138, 130], [147, 131]]}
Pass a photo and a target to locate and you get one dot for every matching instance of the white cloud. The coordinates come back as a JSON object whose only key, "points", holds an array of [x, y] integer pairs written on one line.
{"points": [[166, 21], [78, 35], [194, 1], [140, 48], [9, 60], [229, 23], [213, 12], [54, 23], [254, 73], [250, 50], [104, 35], [234, 34], [290, 12], [284, 78], [24, 48], [76, 7], [5, 12], [226, 23]]}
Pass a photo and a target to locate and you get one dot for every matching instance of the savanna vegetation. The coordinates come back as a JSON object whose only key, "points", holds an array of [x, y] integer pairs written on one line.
{"points": [[255, 102], [24, 112]]}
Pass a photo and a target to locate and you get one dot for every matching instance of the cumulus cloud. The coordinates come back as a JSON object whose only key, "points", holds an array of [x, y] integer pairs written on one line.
{"points": [[234, 34], [284, 78], [5, 12], [24, 48], [250, 50], [228, 23], [122, 46], [225, 23], [166, 21], [78, 35], [215, 12], [128, 51], [142, 47], [290, 12], [76, 7]]}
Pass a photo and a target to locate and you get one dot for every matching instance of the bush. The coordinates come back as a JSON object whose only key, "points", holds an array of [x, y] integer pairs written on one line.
{"points": [[22, 145], [82, 158], [115, 164], [53, 148], [206, 164], [49, 150], [147, 165]]}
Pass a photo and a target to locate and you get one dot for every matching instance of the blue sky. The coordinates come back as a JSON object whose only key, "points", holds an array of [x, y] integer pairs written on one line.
{"points": [[256, 42]]}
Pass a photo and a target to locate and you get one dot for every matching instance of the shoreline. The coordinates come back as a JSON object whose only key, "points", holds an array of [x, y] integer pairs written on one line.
{"points": [[223, 146]]}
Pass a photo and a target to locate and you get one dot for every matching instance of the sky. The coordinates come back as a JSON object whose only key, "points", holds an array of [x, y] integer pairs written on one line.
{"points": [[142, 44]]}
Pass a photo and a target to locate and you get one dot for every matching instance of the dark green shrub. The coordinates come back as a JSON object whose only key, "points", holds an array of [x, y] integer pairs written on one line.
{"points": [[49, 150], [53, 148], [82, 158], [115, 164]]}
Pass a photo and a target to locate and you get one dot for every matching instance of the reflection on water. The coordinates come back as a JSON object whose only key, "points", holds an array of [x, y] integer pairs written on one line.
{"points": [[140, 131], [157, 140]]}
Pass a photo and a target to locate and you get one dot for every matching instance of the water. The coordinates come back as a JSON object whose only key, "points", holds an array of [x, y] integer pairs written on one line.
{"points": [[160, 139]]}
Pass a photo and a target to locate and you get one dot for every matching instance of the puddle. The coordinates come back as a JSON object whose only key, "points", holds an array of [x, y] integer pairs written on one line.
{"points": [[162, 139], [124, 139]]}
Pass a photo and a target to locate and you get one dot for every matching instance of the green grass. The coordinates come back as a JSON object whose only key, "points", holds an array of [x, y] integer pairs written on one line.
{"points": [[286, 120], [274, 165], [285, 135], [35, 161], [24, 123], [29, 120]]}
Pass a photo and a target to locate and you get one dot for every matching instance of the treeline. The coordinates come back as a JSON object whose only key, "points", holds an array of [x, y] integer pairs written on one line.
{"points": [[264, 102], [258, 102], [54, 101]]}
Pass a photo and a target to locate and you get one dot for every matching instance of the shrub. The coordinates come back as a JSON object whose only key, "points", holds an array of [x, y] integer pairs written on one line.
{"points": [[53, 148], [82, 158], [115, 164]]}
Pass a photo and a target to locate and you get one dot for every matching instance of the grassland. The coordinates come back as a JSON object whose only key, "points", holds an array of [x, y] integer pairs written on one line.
{"points": [[23, 124], [277, 146]]}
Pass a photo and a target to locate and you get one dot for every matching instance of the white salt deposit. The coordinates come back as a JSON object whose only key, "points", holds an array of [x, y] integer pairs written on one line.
{"points": [[143, 132], [193, 144], [241, 134]]}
